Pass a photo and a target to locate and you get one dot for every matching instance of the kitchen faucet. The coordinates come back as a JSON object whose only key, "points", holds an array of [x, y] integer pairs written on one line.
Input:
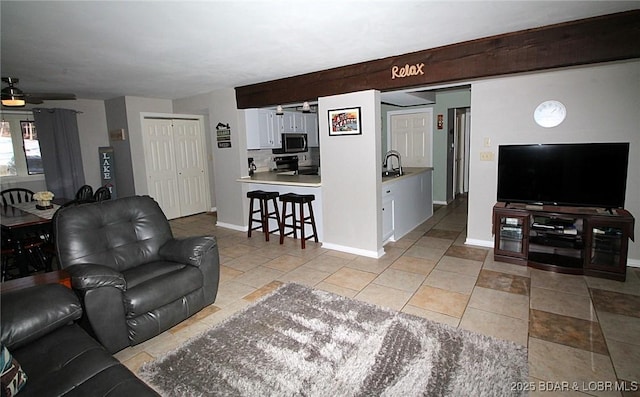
{"points": [[386, 162]]}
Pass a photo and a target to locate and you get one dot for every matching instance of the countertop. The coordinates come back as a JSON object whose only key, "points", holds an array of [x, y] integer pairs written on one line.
{"points": [[408, 172], [275, 178]]}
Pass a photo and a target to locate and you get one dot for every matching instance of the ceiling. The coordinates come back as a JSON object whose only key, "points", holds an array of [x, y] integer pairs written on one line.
{"points": [[171, 50]]}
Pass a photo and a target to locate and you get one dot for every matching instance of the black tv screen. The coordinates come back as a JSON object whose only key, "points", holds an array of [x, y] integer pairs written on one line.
{"points": [[582, 174]]}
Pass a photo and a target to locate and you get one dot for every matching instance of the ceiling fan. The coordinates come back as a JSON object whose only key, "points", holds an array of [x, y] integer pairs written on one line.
{"points": [[13, 96]]}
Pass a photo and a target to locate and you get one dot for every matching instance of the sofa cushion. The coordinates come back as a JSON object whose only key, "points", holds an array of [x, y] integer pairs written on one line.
{"points": [[142, 273], [69, 362], [124, 233], [30, 313], [161, 290], [12, 377]]}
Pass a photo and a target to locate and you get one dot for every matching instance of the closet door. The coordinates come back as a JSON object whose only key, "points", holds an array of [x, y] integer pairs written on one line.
{"points": [[190, 162], [161, 165]]}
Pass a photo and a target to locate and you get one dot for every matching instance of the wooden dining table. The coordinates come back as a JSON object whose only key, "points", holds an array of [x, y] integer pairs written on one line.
{"points": [[23, 221]]}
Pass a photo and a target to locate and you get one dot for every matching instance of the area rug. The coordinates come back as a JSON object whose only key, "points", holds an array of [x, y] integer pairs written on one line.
{"points": [[298, 341]]}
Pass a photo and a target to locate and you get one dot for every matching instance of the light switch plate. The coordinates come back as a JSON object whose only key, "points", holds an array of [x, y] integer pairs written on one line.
{"points": [[487, 156]]}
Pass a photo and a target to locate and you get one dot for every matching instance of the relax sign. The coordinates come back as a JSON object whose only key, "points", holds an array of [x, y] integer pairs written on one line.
{"points": [[407, 70]]}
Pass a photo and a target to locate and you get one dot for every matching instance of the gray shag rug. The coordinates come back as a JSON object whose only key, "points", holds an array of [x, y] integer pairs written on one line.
{"points": [[299, 341]]}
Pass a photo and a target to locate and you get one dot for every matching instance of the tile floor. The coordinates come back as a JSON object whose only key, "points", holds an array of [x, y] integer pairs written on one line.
{"points": [[582, 333]]}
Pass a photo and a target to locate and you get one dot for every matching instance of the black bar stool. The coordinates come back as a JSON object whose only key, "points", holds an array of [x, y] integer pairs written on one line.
{"points": [[263, 222], [297, 223]]}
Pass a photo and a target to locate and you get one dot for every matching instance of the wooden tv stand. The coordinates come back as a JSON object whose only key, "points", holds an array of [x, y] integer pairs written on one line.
{"points": [[575, 240]]}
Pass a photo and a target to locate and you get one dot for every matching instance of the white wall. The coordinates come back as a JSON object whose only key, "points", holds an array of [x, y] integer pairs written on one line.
{"points": [[603, 105], [92, 127], [229, 163], [351, 181]]}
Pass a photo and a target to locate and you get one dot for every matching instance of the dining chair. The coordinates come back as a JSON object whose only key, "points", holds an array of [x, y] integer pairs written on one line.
{"points": [[32, 245], [49, 246], [101, 194], [85, 193], [16, 195]]}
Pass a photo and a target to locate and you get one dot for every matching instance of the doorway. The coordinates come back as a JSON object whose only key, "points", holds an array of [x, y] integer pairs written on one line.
{"points": [[458, 143]]}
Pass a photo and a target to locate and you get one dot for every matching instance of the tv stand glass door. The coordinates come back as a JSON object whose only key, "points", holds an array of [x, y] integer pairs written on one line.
{"points": [[608, 245], [512, 231]]}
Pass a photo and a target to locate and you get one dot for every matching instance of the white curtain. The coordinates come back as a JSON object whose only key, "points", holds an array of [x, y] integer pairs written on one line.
{"points": [[60, 149]]}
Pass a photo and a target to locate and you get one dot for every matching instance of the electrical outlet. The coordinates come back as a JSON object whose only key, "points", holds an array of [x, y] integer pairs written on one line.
{"points": [[487, 156]]}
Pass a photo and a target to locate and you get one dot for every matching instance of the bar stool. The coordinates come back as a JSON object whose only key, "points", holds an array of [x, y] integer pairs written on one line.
{"points": [[263, 223], [297, 223]]}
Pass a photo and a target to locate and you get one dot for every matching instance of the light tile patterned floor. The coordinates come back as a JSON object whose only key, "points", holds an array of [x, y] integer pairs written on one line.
{"points": [[577, 329]]}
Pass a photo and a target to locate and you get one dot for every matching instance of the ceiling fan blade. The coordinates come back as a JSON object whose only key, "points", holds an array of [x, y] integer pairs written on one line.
{"points": [[33, 101], [49, 96]]}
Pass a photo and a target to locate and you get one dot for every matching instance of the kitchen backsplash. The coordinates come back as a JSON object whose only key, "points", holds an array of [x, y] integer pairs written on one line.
{"points": [[263, 158]]}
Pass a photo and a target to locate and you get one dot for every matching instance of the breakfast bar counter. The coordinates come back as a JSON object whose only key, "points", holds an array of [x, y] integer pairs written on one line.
{"points": [[283, 178]]}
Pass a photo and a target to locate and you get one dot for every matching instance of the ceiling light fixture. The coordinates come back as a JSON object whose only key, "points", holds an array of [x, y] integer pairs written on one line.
{"points": [[305, 107], [279, 111], [12, 96]]}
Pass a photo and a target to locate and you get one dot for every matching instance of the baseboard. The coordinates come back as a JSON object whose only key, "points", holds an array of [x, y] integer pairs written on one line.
{"points": [[232, 226], [479, 243], [440, 202], [633, 262], [356, 251]]}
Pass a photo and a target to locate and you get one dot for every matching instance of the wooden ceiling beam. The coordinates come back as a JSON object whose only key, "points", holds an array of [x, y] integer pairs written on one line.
{"points": [[605, 38]]}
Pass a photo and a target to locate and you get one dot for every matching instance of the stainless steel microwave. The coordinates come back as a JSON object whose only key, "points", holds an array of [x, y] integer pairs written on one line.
{"points": [[294, 143]]}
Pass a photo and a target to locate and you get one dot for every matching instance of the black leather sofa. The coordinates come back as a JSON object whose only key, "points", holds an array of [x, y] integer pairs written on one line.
{"points": [[58, 356], [135, 280]]}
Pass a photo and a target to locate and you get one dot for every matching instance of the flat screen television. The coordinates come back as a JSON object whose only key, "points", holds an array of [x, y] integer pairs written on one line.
{"points": [[576, 174]]}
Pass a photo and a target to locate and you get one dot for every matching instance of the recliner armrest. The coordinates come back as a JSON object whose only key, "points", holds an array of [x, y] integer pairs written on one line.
{"points": [[31, 313], [89, 276], [189, 250]]}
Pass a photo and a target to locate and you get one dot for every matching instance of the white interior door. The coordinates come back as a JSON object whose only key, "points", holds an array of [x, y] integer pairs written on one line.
{"points": [[188, 141], [161, 165], [176, 165], [412, 135]]}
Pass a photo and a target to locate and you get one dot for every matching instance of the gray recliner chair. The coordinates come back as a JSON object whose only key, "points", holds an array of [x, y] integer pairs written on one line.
{"points": [[135, 280]]}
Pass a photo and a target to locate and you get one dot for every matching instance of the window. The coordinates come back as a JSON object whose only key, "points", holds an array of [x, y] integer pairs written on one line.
{"points": [[31, 147], [19, 146], [7, 160]]}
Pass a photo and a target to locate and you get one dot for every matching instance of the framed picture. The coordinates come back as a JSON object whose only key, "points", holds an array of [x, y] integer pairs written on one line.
{"points": [[345, 122]]}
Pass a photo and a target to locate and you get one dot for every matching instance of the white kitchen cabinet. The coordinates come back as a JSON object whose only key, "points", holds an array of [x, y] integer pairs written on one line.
{"points": [[387, 213], [291, 122], [411, 203], [261, 128], [311, 123]]}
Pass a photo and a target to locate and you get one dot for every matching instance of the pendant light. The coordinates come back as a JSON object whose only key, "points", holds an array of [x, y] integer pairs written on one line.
{"points": [[12, 96]]}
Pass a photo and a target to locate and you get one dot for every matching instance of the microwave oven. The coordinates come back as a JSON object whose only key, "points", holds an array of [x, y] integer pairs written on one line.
{"points": [[294, 143]]}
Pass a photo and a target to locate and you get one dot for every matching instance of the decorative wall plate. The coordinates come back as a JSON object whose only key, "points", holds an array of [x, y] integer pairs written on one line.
{"points": [[550, 114]]}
